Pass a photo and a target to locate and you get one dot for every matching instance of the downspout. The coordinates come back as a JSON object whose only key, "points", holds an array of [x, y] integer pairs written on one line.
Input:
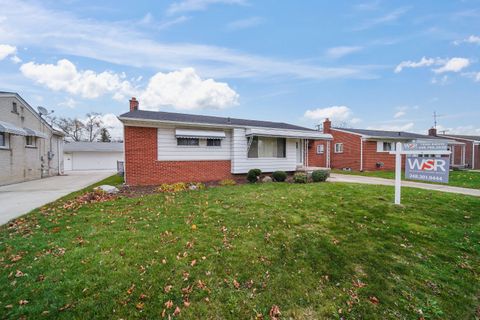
{"points": [[361, 153], [473, 155], [327, 158]]}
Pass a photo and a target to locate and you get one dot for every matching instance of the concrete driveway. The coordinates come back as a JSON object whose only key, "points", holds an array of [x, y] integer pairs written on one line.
{"points": [[20, 198]]}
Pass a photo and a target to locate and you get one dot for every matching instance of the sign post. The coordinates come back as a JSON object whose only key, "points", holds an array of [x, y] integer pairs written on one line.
{"points": [[398, 173], [429, 167]]}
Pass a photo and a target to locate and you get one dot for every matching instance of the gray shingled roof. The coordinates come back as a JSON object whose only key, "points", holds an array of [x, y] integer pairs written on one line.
{"points": [[93, 147], [389, 134], [476, 138], [193, 118]]}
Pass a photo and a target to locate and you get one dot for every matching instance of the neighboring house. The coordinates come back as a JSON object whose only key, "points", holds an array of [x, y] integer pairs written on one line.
{"points": [[92, 155], [368, 150], [29, 147], [470, 153], [171, 147]]}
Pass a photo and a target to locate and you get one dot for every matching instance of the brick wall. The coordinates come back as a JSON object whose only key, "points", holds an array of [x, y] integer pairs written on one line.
{"points": [[350, 157], [468, 153], [143, 168], [371, 157], [314, 159]]}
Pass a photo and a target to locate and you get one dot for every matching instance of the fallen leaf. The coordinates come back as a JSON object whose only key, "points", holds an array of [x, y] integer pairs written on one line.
{"points": [[22, 302], [194, 227], [274, 312], [236, 284], [186, 303], [15, 258], [193, 263], [142, 296], [177, 311], [65, 307], [167, 288], [139, 305], [374, 300], [169, 304], [130, 290], [19, 274]]}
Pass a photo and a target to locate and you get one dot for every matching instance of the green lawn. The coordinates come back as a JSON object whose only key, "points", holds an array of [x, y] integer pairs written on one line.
{"points": [[464, 179], [317, 251]]}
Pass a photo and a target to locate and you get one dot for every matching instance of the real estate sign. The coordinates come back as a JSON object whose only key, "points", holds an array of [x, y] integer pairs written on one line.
{"points": [[427, 168]]}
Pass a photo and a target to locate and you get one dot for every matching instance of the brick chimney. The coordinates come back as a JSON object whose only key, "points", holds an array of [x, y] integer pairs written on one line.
{"points": [[432, 132], [133, 104], [327, 125]]}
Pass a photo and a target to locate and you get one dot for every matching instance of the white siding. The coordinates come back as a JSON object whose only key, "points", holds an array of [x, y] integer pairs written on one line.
{"points": [[241, 164], [169, 151]]}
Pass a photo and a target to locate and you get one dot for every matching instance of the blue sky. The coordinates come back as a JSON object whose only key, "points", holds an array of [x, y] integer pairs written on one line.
{"points": [[370, 64]]}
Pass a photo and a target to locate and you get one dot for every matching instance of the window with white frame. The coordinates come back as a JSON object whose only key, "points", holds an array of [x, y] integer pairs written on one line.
{"points": [[188, 142], [214, 142], [320, 149], [3, 140], [385, 146], [266, 147], [338, 148], [30, 141]]}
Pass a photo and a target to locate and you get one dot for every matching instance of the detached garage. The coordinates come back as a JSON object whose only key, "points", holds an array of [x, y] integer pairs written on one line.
{"points": [[92, 155]]}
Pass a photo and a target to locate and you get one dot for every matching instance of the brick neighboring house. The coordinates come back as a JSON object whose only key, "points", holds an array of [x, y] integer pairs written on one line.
{"points": [[29, 147], [368, 150], [471, 151], [166, 147]]}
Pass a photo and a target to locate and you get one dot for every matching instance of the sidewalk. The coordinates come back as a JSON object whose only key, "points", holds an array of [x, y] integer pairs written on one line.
{"points": [[335, 177]]}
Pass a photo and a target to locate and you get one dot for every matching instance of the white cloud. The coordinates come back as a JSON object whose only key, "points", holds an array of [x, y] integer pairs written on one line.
{"points": [[245, 23], [64, 76], [69, 103], [334, 113], [445, 65], [198, 5], [6, 50], [126, 43], [386, 18], [182, 89], [471, 39], [462, 130], [477, 77], [185, 90], [399, 114], [393, 127], [15, 59], [424, 62], [338, 52], [453, 65], [441, 80]]}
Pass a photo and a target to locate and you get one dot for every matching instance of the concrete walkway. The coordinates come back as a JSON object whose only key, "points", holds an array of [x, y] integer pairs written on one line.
{"points": [[335, 177], [20, 198]]}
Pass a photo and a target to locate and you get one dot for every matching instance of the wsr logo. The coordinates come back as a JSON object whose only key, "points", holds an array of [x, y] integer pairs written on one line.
{"points": [[427, 164]]}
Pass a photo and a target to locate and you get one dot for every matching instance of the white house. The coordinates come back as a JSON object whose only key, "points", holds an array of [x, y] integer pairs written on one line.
{"points": [[171, 147], [29, 147], [92, 155]]}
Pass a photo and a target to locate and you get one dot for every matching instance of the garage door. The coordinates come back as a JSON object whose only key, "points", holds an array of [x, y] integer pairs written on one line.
{"points": [[96, 160]]}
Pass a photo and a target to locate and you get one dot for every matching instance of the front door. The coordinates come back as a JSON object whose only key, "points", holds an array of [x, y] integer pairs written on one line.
{"points": [[299, 148], [67, 162]]}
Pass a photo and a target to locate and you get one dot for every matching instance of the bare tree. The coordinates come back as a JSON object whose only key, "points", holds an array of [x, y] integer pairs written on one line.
{"points": [[73, 128], [93, 125]]}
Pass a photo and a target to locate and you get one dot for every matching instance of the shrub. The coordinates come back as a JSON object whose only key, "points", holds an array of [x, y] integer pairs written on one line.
{"points": [[227, 182], [174, 187], [300, 177], [180, 186], [279, 176], [253, 174], [320, 175]]}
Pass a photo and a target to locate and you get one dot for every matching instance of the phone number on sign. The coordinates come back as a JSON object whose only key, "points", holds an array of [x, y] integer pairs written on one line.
{"points": [[425, 177]]}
